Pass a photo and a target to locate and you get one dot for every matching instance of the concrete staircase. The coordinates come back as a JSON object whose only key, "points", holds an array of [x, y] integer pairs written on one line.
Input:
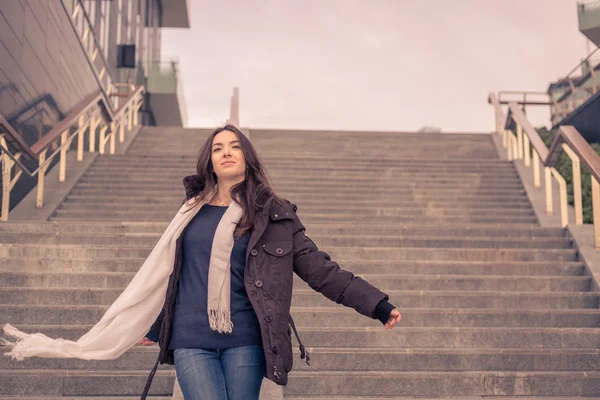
{"points": [[493, 305]]}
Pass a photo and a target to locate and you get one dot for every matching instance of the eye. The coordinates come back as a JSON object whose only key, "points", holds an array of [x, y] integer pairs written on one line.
{"points": [[215, 150], [237, 146]]}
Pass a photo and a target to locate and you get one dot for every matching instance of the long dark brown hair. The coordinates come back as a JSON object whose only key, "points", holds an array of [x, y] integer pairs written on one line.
{"points": [[253, 192]]}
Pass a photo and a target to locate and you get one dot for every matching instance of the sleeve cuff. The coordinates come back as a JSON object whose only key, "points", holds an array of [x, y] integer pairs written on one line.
{"points": [[383, 310], [153, 335]]}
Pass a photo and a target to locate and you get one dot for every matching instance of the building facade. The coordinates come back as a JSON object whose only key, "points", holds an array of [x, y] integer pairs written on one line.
{"points": [[55, 53]]}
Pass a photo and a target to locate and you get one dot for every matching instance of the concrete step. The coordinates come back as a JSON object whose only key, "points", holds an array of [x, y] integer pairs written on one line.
{"points": [[320, 317], [170, 200], [383, 281], [548, 268], [409, 337], [294, 163], [419, 299], [352, 359], [472, 283], [466, 383], [374, 211], [450, 317], [417, 188], [60, 228], [42, 397], [139, 358], [449, 360], [403, 299], [49, 382], [333, 197], [320, 240], [167, 215], [371, 182], [311, 175], [486, 397], [346, 253], [157, 228]]}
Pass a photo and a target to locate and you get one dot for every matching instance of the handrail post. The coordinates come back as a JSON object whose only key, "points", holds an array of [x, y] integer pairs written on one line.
{"points": [[136, 110], [102, 139], [93, 128], [129, 117], [536, 169], [509, 146], [80, 131], [41, 176], [6, 168], [519, 141], [576, 183], [548, 185], [64, 137], [527, 151], [112, 136], [596, 211], [121, 130], [562, 184]]}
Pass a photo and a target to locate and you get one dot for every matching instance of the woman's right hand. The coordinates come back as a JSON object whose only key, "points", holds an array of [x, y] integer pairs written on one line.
{"points": [[146, 342]]}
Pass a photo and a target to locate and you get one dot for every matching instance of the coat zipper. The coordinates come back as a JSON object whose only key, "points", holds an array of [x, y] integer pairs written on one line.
{"points": [[276, 372]]}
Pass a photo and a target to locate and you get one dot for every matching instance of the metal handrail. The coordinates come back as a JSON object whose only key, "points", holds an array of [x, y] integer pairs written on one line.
{"points": [[567, 140], [45, 164], [577, 67], [88, 114], [534, 137], [93, 33]]}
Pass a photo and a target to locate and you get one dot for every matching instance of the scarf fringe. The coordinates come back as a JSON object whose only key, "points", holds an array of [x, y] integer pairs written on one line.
{"points": [[23, 342], [220, 321]]}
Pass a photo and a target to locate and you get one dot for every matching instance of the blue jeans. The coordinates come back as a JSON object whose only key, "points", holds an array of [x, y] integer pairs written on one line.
{"points": [[222, 374]]}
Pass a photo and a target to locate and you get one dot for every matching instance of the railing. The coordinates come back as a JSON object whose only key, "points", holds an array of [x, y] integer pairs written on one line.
{"points": [[577, 89], [83, 27], [528, 146], [93, 115]]}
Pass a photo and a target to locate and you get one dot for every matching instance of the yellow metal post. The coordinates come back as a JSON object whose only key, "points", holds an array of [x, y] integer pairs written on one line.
{"points": [[504, 138], [102, 139], [93, 126], [536, 169], [129, 117], [136, 110], [548, 184], [112, 137], [64, 137], [562, 185], [6, 168], [527, 151], [80, 132], [509, 146], [41, 176], [596, 210], [577, 200], [519, 141], [121, 129]]}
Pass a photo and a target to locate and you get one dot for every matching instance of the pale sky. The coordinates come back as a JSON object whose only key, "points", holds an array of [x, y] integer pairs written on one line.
{"points": [[370, 64]]}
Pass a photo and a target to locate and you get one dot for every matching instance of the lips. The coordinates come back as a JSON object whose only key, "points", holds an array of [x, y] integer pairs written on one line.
{"points": [[228, 162]]}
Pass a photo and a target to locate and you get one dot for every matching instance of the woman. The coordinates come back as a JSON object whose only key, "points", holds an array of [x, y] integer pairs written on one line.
{"points": [[227, 358]]}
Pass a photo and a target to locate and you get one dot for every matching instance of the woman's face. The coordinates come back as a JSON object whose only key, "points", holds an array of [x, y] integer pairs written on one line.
{"points": [[227, 157]]}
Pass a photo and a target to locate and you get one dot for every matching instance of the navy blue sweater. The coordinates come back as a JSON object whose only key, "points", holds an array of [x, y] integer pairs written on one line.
{"points": [[190, 318]]}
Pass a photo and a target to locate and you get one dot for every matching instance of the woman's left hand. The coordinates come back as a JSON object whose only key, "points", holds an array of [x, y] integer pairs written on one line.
{"points": [[394, 318]]}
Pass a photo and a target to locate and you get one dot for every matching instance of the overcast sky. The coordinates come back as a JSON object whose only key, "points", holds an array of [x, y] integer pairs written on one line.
{"points": [[370, 64]]}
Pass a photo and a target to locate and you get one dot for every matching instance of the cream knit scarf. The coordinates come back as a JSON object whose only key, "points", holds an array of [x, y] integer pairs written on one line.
{"points": [[132, 314]]}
